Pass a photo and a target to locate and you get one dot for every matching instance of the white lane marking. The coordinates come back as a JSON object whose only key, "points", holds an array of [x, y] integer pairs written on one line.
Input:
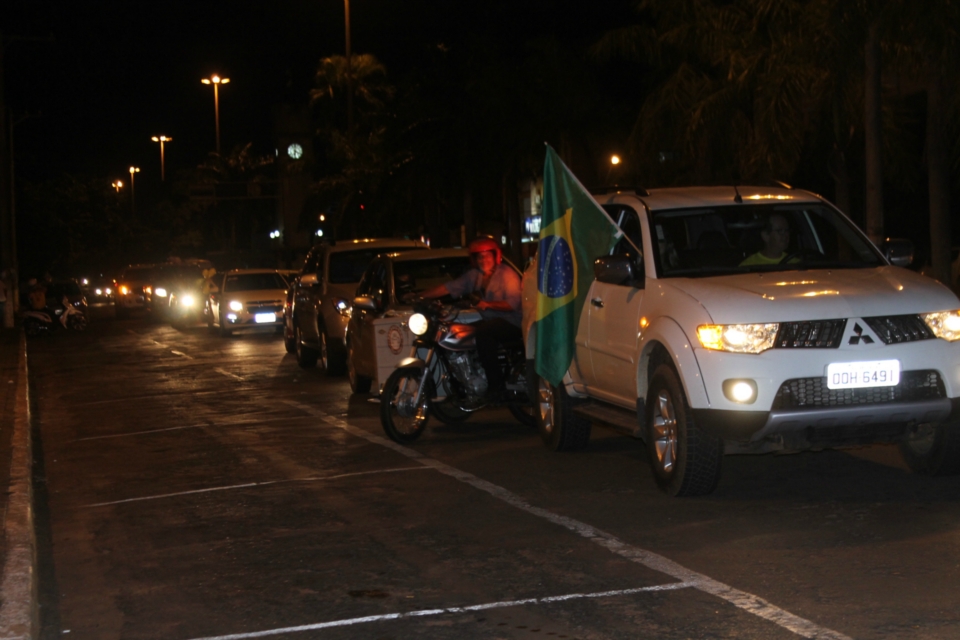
{"points": [[436, 612], [139, 433], [181, 353], [250, 484], [245, 423], [741, 599], [229, 375]]}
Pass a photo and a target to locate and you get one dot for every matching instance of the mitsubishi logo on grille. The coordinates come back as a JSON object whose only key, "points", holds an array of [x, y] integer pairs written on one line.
{"points": [[857, 329]]}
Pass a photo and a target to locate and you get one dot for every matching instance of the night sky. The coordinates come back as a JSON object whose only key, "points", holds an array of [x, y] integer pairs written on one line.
{"points": [[117, 73]]}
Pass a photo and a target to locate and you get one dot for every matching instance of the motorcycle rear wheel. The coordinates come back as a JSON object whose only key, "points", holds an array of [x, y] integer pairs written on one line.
{"points": [[77, 322], [449, 413], [401, 420]]}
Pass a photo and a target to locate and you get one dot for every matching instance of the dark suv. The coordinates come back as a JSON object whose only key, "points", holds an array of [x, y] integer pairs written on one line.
{"points": [[316, 318]]}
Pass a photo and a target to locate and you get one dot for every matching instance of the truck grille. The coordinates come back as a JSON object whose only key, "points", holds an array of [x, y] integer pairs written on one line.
{"points": [[897, 329], [811, 393], [813, 334]]}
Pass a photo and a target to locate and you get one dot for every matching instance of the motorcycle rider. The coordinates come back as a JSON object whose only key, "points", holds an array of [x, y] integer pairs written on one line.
{"points": [[499, 289]]}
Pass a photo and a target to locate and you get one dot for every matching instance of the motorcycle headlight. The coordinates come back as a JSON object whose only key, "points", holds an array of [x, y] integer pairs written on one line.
{"points": [[187, 300], [944, 324], [236, 305], [343, 307], [124, 290], [738, 338], [418, 324], [161, 292]]}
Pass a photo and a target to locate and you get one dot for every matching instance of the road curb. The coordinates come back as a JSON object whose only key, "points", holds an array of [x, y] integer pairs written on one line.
{"points": [[19, 616]]}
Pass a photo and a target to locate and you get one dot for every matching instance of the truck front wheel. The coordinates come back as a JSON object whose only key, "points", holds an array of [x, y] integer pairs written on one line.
{"points": [[685, 460], [935, 451]]}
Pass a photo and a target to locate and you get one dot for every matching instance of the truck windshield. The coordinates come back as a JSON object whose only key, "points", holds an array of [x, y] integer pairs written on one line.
{"points": [[751, 238]]}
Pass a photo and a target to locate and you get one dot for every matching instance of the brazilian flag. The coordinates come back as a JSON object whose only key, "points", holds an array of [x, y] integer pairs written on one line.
{"points": [[574, 231]]}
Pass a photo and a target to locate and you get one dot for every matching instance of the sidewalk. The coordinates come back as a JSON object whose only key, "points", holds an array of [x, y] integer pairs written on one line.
{"points": [[18, 588]]}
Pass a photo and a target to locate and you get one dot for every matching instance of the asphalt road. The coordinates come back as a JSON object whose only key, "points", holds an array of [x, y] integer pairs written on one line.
{"points": [[191, 486]]}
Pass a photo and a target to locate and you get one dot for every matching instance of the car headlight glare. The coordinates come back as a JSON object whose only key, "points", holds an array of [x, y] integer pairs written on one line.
{"points": [[236, 305], [188, 300], [738, 338], [418, 324], [160, 292], [944, 324], [124, 290]]}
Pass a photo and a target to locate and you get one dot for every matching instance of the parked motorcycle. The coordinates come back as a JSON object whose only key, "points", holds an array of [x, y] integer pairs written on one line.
{"points": [[443, 376], [36, 322]]}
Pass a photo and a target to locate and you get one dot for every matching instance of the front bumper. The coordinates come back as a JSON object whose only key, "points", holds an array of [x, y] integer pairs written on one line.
{"points": [[258, 319], [829, 426]]}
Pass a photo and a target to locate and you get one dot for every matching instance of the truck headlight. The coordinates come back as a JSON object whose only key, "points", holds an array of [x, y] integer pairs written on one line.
{"points": [[160, 292], [738, 338], [944, 324], [418, 324], [236, 305]]}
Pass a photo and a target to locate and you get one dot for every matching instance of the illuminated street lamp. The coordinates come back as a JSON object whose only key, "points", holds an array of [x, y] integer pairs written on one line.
{"points": [[614, 161], [133, 195], [117, 185], [162, 140], [216, 81]]}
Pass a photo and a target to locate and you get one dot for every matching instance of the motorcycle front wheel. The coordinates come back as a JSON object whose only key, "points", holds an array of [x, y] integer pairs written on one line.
{"points": [[404, 419]]}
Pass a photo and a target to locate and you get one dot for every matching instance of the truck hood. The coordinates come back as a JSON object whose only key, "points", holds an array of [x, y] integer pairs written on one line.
{"points": [[816, 294]]}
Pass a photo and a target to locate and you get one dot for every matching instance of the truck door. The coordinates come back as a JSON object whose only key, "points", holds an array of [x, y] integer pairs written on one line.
{"points": [[614, 315]]}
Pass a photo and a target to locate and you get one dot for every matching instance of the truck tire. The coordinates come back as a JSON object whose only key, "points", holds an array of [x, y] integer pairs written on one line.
{"points": [[560, 428], [936, 453], [685, 460], [334, 355], [358, 383], [306, 356]]}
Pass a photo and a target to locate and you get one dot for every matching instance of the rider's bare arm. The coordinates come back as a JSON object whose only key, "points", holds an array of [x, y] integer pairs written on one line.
{"points": [[438, 291], [494, 305]]}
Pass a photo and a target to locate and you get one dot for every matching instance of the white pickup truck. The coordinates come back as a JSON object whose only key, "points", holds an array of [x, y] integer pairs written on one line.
{"points": [[701, 348]]}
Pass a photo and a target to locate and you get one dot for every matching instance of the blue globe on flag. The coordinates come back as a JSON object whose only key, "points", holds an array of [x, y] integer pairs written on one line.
{"points": [[555, 267]]}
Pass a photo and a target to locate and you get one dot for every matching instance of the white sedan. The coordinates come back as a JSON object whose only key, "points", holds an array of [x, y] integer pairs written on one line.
{"points": [[246, 298]]}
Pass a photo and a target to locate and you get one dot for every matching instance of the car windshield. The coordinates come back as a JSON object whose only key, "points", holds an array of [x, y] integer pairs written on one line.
{"points": [[347, 267], [253, 282], [180, 273], [139, 274], [690, 243], [413, 276]]}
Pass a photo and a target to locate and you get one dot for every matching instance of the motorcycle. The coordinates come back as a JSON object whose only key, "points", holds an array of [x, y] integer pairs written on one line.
{"points": [[36, 322], [443, 376]]}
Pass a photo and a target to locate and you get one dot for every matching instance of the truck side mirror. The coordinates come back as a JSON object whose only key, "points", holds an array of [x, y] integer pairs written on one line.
{"points": [[898, 251], [618, 269], [365, 303]]}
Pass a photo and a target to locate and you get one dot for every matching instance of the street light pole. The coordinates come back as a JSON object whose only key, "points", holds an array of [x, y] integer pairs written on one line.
{"points": [[161, 140], [346, 21], [133, 195], [117, 185], [216, 81]]}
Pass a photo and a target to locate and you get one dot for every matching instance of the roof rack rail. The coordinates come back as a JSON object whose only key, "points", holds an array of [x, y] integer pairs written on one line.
{"points": [[613, 188]]}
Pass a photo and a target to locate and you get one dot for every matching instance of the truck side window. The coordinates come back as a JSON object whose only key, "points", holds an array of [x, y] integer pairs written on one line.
{"points": [[629, 222]]}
